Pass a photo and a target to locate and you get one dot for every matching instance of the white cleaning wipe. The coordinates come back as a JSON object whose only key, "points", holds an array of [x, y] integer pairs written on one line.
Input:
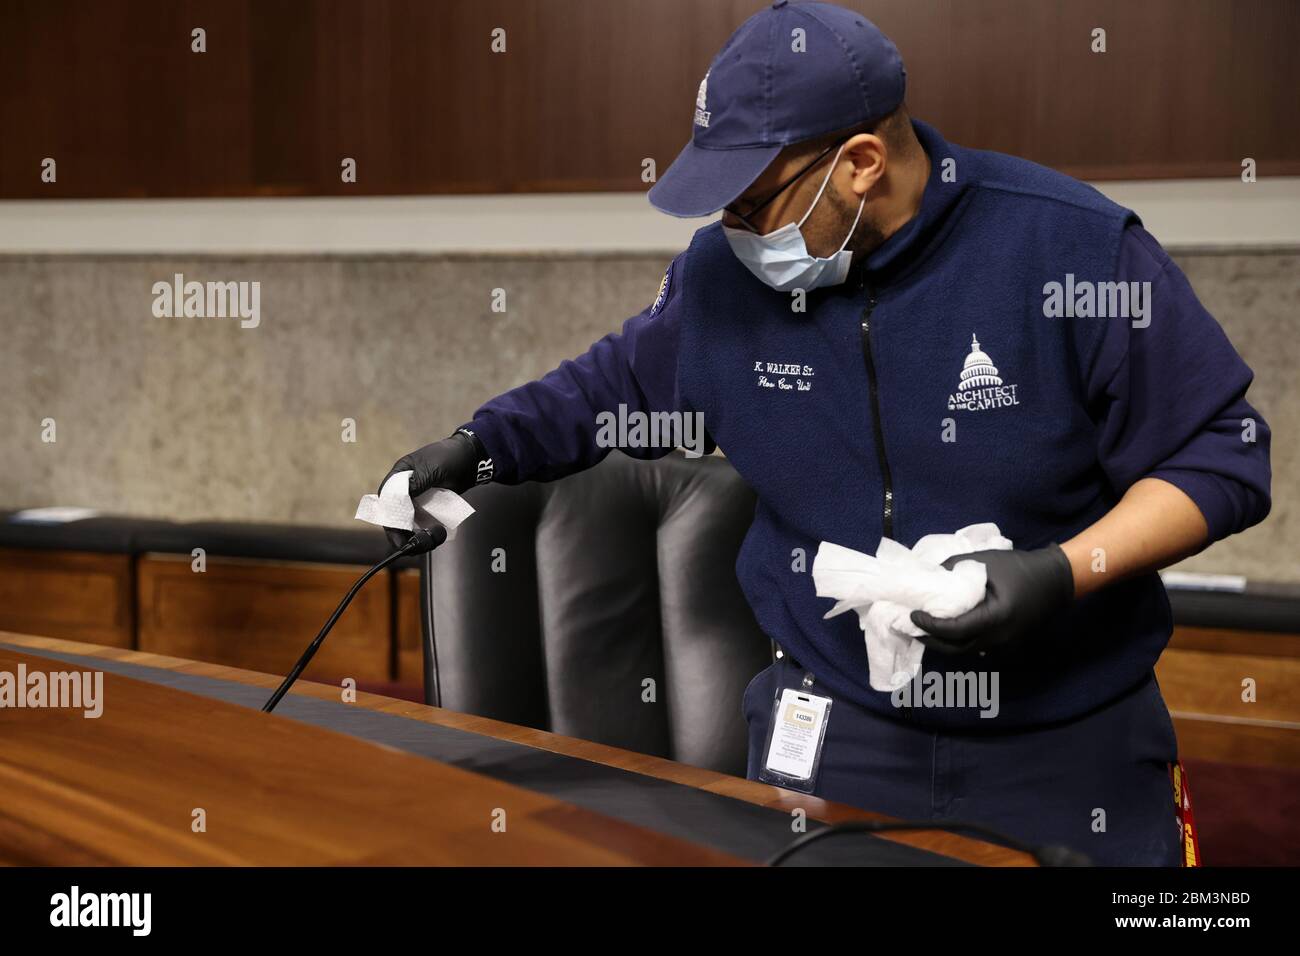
{"points": [[393, 507], [887, 588]]}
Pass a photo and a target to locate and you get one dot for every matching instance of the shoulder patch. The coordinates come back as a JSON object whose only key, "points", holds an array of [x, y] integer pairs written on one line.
{"points": [[663, 289]]}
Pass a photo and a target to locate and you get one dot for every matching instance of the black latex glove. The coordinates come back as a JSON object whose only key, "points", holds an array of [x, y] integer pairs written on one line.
{"points": [[1025, 588], [451, 463]]}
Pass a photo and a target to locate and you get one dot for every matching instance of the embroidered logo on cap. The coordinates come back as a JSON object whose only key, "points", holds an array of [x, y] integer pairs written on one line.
{"points": [[701, 98], [981, 386]]}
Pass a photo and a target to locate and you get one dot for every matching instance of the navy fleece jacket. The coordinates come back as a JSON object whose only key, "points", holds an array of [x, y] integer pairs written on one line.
{"points": [[973, 368]]}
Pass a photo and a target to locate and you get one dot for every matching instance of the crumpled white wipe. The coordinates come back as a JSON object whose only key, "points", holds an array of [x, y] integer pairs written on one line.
{"points": [[393, 507], [887, 588]]}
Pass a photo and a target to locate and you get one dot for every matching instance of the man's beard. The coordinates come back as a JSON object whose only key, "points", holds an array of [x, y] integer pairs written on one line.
{"points": [[867, 235]]}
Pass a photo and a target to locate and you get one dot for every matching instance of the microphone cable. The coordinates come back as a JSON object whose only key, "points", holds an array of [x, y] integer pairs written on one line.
{"points": [[421, 541], [1049, 855]]}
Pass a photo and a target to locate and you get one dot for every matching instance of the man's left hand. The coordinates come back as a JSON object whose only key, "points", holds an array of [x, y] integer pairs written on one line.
{"points": [[1025, 588]]}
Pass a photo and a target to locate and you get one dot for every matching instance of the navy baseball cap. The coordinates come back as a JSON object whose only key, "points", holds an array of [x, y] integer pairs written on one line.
{"points": [[770, 86]]}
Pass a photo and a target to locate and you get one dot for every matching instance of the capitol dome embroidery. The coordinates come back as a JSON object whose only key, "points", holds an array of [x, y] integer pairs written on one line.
{"points": [[979, 369], [981, 384]]}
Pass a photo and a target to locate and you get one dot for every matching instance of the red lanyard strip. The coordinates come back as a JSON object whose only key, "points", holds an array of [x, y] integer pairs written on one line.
{"points": [[1183, 813]]}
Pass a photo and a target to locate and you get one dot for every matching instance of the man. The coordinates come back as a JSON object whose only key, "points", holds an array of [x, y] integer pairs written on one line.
{"points": [[890, 336]]}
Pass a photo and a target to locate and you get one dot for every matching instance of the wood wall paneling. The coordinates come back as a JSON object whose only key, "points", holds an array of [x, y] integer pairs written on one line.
{"points": [[587, 89], [1201, 675], [1209, 683], [1229, 641], [261, 615], [74, 595], [408, 636]]}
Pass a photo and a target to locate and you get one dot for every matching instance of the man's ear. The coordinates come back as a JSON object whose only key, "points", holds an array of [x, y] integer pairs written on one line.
{"points": [[870, 157]]}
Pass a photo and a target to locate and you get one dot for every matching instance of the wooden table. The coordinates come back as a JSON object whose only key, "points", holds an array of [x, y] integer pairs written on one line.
{"points": [[125, 788]]}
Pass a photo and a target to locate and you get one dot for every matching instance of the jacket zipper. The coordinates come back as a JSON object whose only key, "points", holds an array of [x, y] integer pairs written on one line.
{"points": [[886, 480]]}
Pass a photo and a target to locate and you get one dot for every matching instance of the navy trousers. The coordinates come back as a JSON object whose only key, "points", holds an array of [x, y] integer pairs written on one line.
{"points": [[1099, 784]]}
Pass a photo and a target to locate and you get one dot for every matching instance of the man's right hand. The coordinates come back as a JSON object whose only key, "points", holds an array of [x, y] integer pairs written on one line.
{"points": [[451, 463]]}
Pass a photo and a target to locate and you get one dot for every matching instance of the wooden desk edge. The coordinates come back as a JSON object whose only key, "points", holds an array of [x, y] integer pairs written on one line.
{"points": [[948, 844]]}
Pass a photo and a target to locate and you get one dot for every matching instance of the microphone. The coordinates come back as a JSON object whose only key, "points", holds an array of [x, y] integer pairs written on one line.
{"points": [[1050, 855], [424, 540], [420, 542]]}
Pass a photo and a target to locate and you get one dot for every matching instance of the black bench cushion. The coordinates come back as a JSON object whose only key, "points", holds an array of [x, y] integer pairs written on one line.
{"points": [[1261, 607], [121, 534], [364, 544], [108, 534]]}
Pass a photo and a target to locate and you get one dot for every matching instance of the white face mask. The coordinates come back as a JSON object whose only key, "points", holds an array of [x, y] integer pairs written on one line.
{"points": [[780, 259]]}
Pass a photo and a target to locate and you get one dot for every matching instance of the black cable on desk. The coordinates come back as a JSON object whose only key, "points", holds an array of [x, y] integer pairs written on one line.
{"points": [[1052, 855]]}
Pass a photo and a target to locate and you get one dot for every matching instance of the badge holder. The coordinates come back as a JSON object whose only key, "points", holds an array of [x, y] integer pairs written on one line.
{"points": [[792, 753]]}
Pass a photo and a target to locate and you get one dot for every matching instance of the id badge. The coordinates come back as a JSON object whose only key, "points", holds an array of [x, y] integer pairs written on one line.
{"points": [[793, 752]]}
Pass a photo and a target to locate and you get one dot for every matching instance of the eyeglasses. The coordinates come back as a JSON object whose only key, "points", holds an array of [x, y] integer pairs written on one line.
{"points": [[780, 189]]}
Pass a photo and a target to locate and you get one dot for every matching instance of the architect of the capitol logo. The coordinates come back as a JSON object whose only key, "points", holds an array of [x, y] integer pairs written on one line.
{"points": [[980, 386]]}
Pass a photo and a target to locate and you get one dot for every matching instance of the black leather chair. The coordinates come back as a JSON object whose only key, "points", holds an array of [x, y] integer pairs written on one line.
{"points": [[558, 603]]}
